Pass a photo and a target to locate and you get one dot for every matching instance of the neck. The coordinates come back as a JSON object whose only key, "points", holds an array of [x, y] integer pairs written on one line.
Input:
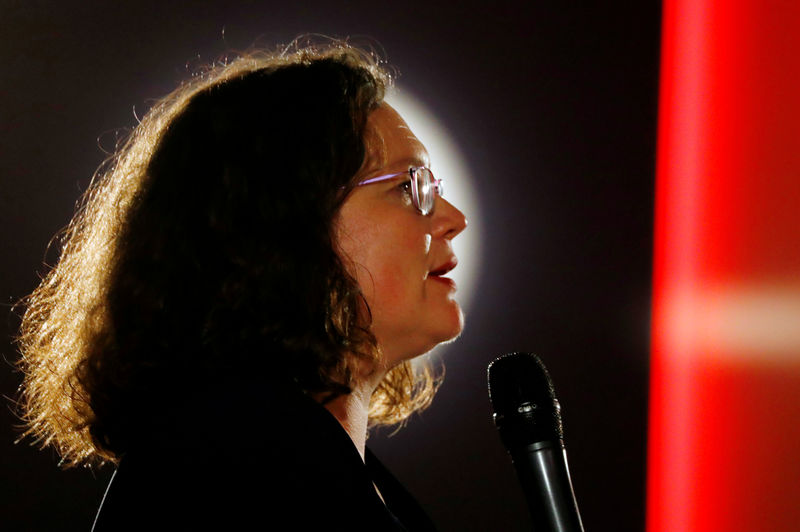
{"points": [[352, 410]]}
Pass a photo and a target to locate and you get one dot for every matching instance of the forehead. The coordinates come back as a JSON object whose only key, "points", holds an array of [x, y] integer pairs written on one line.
{"points": [[389, 141]]}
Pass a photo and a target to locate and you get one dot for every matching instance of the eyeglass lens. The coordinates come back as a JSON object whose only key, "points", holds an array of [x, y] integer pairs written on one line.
{"points": [[425, 192]]}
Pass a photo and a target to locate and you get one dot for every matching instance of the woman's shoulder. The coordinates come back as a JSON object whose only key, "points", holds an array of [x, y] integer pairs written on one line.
{"points": [[286, 458]]}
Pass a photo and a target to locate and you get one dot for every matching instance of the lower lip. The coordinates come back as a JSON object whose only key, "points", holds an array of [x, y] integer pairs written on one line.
{"points": [[444, 280]]}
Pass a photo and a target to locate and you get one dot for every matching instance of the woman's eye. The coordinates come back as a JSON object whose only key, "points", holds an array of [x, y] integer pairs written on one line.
{"points": [[405, 186], [404, 189]]}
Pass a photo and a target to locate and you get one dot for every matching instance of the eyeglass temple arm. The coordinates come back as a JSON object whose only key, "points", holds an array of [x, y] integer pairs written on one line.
{"points": [[380, 178]]}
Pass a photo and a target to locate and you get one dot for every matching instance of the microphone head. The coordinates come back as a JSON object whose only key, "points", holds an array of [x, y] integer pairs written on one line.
{"points": [[524, 402]]}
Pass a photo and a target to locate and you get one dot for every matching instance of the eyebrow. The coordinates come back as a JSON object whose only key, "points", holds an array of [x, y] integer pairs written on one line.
{"points": [[412, 162]]}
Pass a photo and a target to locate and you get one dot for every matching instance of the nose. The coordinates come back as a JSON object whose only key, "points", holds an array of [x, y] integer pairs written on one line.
{"points": [[448, 221]]}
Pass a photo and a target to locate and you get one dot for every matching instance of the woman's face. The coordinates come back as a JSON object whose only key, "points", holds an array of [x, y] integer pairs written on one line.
{"points": [[397, 255]]}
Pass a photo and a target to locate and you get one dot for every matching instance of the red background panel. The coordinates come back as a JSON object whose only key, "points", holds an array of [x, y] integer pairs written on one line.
{"points": [[724, 442]]}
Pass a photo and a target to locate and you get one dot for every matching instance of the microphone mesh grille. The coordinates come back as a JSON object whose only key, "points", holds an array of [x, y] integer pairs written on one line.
{"points": [[525, 406]]}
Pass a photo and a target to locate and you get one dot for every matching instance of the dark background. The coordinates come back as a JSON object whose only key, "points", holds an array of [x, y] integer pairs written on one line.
{"points": [[553, 106]]}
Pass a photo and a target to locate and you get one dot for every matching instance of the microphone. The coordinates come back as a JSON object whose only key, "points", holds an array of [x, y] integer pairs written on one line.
{"points": [[528, 418]]}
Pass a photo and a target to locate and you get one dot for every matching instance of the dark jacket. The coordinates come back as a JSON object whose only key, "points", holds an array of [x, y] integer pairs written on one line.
{"points": [[264, 458]]}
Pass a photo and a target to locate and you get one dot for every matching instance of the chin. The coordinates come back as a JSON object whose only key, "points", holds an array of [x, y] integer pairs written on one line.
{"points": [[445, 325], [454, 326]]}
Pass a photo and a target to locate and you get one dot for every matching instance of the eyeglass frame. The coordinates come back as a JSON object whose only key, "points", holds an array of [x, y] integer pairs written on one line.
{"points": [[436, 184]]}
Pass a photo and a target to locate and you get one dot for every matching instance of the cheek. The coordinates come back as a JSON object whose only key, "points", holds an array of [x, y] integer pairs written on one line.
{"points": [[385, 247], [387, 259], [394, 263]]}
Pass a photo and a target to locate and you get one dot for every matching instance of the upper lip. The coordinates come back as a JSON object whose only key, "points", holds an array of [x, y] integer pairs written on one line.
{"points": [[444, 267]]}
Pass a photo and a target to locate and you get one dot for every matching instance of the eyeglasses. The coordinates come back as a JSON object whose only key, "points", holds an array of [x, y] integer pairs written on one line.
{"points": [[424, 187]]}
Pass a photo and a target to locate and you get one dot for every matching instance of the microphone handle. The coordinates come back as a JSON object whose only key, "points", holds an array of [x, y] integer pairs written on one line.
{"points": [[544, 474]]}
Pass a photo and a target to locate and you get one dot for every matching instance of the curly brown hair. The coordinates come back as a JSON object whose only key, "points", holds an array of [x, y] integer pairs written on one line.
{"points": [[206, 244]]}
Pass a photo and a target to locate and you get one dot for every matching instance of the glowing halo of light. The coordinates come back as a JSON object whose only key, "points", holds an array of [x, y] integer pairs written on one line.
{"points": [[448, 163]]}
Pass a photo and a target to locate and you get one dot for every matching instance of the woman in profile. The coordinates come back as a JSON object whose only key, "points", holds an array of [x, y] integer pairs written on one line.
{"points": [[239, 297]]}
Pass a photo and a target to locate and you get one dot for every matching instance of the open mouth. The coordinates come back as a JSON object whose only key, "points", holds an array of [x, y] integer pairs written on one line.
{"points": [[444, 268], [438, 273]]}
